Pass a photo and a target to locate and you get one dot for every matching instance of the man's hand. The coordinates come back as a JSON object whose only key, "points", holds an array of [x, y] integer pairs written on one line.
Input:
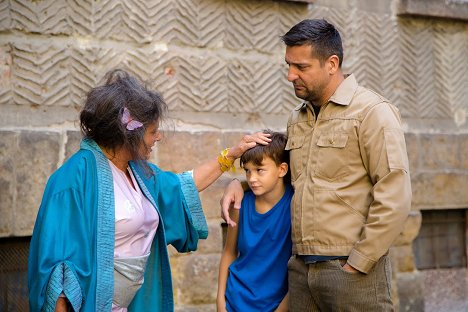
{"points": [[232, 198], [348, 268]]}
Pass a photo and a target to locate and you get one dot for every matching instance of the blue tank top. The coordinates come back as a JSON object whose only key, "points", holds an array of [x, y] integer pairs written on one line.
{"points": [[258, 278]]}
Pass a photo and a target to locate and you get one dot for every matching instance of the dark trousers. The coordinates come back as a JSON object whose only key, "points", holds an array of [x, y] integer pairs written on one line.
{"points": [[325, 286]]}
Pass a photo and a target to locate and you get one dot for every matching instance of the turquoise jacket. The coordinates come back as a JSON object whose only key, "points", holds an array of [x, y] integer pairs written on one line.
{"points": [[72, 247]]}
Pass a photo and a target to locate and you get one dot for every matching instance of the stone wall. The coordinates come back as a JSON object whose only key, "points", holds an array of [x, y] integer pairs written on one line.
{"points": [[220, 66]]}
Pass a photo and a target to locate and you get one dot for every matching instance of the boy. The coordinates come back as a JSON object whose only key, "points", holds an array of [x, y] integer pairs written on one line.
{"points": [[253, 273]]}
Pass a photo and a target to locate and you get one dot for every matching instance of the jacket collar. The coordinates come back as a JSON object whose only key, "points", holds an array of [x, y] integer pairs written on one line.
{"points": [[342, 95], [345, 91]]}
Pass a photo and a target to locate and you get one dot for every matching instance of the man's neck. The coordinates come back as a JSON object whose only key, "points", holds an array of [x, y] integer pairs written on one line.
{"points": [[335, 82]]}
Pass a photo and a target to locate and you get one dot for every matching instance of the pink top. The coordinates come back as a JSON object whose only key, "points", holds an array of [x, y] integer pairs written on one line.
{"points": [[136, 220]]}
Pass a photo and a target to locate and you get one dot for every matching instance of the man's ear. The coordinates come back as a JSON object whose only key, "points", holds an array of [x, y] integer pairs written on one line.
{"points": [[283, 169], [333, 64]]}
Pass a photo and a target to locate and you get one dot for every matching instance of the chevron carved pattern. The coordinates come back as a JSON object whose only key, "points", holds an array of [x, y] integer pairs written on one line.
{"points": [[417, 70], [289, 14], [5, 74], [164, 78], [212, 23], [201, 84], [345, 23], [267, 82], [46, 16], [136, 17], [288, 97], [81, 16], [82, 73], [108, 19], [213, 85], [38, 76], [133, 20], [188, 91], [450, 72], [367, 67], [162, 19], [5, 19], [250, 25], [198, 22], [390, 58], [186, 25], [241, 90]]}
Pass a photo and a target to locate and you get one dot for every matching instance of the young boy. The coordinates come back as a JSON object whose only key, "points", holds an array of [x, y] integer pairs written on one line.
{"points": [[253, 273]]}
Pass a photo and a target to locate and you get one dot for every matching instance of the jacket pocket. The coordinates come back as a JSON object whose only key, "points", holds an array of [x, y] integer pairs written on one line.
{"points": [[332, 156], [295, 146], [396, 149]]}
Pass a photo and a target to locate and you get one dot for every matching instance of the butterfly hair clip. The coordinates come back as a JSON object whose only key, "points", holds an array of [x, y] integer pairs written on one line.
{"points": [[129, 122]]}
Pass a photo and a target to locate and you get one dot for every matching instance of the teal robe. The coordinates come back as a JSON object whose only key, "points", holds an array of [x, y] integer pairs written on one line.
{"points": [[72, 247]]}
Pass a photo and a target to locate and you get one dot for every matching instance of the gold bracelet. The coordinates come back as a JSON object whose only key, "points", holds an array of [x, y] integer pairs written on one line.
{"points": [[225, 163]]}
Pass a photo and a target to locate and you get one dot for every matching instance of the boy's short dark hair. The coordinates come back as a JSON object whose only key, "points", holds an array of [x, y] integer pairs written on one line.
{"points": [[274, 150]]}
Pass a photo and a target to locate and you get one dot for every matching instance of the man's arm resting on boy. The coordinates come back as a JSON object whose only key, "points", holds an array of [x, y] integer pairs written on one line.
{"points": [[232, 198]]}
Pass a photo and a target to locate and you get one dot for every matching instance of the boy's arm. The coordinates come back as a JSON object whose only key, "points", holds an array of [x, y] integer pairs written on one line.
{"points": [[283, 306], [228, 256]]}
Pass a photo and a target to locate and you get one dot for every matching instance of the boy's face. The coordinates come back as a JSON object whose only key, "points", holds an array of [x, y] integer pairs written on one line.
{"points": [[266, 177]]}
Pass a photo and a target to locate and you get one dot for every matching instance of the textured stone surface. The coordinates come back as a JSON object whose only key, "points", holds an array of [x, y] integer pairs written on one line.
{"points": [[220, 66], [8, 152], [440, 190], [202, 272], [446, 290], [213, 244], [36, 158], [73, 143], [447, 9], [410, 230], [402, 258], [180, 151], [410, 291]]}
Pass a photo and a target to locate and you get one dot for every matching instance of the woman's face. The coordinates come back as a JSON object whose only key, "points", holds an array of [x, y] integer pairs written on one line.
{"points": [[152, 135]]}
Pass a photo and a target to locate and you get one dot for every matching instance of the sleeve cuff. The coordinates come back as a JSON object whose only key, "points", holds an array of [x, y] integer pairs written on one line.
{"points": [[63, 280], [360, 262], [194, 204]]}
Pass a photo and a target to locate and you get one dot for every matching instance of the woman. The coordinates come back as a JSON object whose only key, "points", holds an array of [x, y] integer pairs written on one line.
{"points": [[107, 215]]}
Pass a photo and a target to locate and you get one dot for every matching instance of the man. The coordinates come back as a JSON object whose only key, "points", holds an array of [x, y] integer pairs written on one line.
{"points": [[349, 169]]}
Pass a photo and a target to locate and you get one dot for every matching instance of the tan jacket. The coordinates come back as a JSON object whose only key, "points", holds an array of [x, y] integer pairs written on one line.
{"points": [[350, 173]]}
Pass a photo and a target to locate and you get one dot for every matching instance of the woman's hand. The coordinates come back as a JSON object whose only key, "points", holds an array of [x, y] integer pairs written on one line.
{"points": [[247, 142]]}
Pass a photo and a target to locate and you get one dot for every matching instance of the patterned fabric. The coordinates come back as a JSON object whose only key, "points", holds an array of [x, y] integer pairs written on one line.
{"points": [[72, 247]]}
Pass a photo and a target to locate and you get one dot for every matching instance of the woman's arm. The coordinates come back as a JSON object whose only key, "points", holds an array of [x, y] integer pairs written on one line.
{"points": [[228, 256], [205, 174], [61, 305]]}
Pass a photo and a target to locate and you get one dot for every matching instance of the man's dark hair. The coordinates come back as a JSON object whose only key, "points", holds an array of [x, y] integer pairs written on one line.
{"points": [[274, 150], [322, 36]]}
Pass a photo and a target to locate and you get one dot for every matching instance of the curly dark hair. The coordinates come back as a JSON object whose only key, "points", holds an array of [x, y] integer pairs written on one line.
{"points": [[101, 116]]}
